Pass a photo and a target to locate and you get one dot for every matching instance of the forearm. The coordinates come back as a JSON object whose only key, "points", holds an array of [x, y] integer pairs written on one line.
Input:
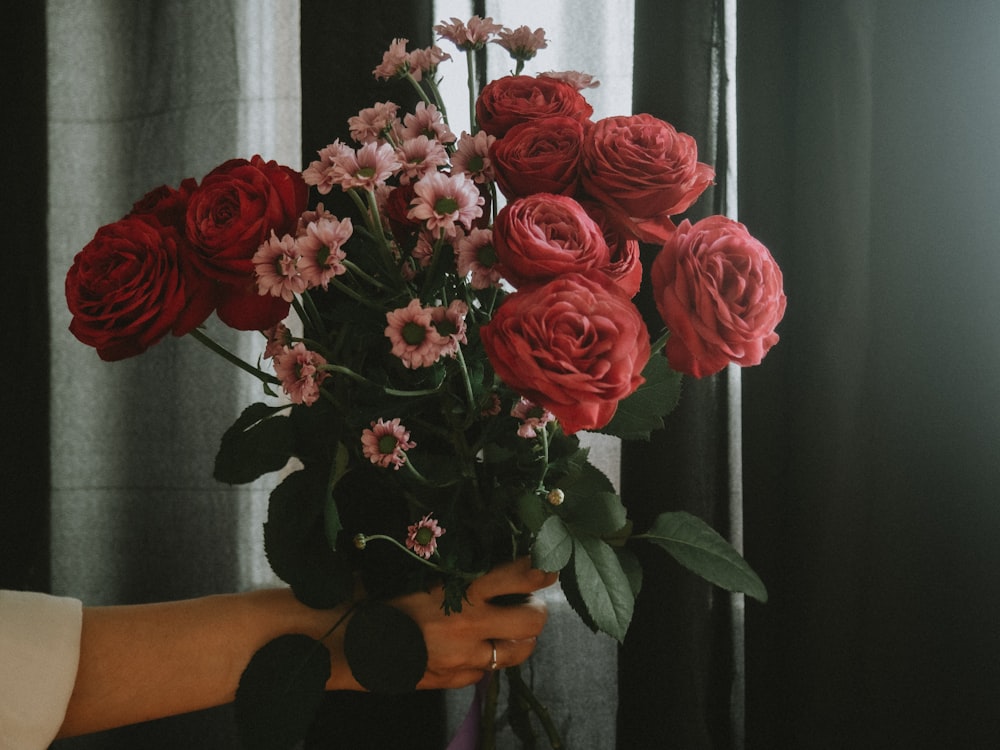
{"points": [[144, 662]]}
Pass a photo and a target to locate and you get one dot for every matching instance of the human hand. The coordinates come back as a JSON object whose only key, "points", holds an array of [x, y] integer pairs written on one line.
{"points": [[500, 612]]}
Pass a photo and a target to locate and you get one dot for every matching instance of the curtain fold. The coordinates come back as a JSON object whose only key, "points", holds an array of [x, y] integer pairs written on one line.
{"points": [[139, 95]]}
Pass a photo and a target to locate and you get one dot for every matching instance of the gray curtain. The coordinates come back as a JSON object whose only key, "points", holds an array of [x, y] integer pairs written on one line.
{"points": [[142, 94], [873, 435]]}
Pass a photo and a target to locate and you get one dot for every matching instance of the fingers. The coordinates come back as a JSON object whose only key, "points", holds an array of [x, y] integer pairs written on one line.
{"points": [[509, 653], [516, 577]]}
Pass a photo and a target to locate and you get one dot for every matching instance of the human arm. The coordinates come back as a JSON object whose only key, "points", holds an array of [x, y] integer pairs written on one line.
{"points": [[141, 662]]}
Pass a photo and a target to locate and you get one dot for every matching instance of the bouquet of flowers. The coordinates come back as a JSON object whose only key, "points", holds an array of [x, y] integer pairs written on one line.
{"points": [[428, 361]]}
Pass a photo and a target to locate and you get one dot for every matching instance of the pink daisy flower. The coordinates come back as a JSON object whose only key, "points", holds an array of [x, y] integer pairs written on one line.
{"points": [[472, 156], [426, 119], [300, 373], [449, 323], [442, 200], [423, 251], [321, 172], [477, 259], [276, 264], [425, 61], [395, 61], [574, 78], [414, 338], [308, 217], [367, 168], [472, 35], [322, 250], [278, 338], [372, 123], [533, 417], [385, 443], [423, 535], [522, 43], [419, 156]]}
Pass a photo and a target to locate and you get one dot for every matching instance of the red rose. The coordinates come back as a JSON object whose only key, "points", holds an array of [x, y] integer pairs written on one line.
{"points": [[166, 204], [625, 266], [131, 285], [576, 346], [539, 156], [719, 292], [235, 209], [242, 307], [644, 170], [542, 236], [511, 100]]}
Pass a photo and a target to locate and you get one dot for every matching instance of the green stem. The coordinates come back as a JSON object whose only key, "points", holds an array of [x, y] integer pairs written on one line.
{"points": [[359, 272], [341, 370], [227, 355], [432, 271], [403, 547], [420, 91], [467, 382], [521, 690], [356, 296], [471, 67], [488, 728]]}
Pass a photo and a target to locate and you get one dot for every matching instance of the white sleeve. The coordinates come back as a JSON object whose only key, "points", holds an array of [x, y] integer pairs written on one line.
{"points": [[39, 656]]}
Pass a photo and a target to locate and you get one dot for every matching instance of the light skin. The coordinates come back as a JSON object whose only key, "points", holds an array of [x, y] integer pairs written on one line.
{"points": [[148, 661]]}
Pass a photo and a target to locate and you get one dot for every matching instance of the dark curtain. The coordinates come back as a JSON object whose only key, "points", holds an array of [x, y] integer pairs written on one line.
{"points": [[680, 667], [869, 166]]}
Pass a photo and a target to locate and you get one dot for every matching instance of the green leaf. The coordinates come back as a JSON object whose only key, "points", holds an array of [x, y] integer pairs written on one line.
{"points": [[605, 588], [531, 510], [591, 503], [553, 545], [332, 525], [257, 443], [385, 649], [295, 541], [642, 412], [280, 692], [699, 548]]}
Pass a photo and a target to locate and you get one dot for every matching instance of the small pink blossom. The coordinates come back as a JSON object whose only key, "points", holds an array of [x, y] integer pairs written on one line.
{"points": [[442, 201], [423, 535], [322, 250], [367, 168], [414, 338], [475, 256], [384, 444], [522, 43], [533, 417], [395, 61], [276, 264], [423, 251], [449, 323], [419, 156], [308, 217], [425, 61], [472, 156], [321, 172], [472, 35], [300, 373], [373, 123], [426, 119], [574, 78], [278, 338]]}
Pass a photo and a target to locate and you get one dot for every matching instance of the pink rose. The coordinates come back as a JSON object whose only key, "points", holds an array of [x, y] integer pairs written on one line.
{"points": [[644, 170], [575, 346], [539, 156], [235, 209], [542, 236], [719, 292], [131, 285], [511, 100]]}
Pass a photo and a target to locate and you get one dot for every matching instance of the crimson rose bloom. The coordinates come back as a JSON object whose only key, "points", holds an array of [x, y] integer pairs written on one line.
{"points": [[166, 204], [625, 266], [539, 156], [576, 346], [511, 100], [719, 292], [542, 236], [643, 169], [235, 209], [131, 285]]}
